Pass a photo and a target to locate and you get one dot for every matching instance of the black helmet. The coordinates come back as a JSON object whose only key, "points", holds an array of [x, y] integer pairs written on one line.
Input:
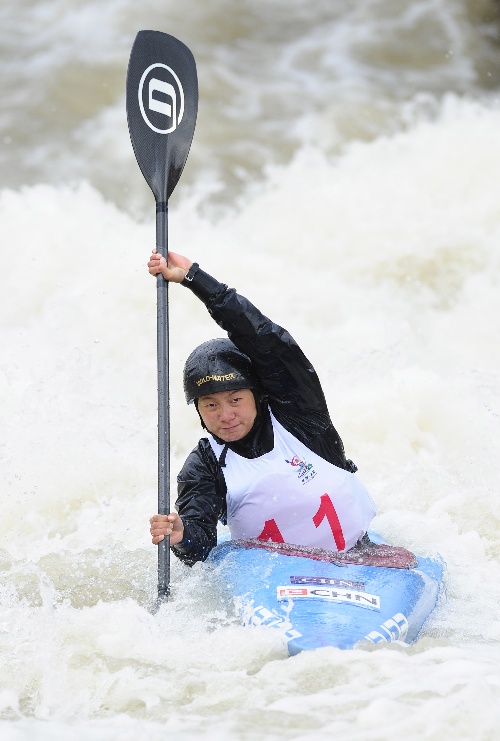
{"points": [[217, 365]]}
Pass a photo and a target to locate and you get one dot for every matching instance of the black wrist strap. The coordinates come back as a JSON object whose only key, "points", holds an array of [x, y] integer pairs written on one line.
{"points": [[190, 274]]}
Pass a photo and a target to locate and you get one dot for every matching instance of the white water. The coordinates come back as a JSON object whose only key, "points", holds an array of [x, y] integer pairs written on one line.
{"points": [[378, 251]]}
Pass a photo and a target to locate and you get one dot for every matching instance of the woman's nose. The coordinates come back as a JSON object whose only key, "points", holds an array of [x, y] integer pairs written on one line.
{"points": [[227, 412]]}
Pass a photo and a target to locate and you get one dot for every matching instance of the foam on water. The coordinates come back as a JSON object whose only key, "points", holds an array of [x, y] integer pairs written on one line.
{"points": [[383, 263], [271, 78], [343, 176]]}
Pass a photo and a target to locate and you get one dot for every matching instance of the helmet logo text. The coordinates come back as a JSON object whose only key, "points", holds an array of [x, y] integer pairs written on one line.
{"points": [[206, 379]]}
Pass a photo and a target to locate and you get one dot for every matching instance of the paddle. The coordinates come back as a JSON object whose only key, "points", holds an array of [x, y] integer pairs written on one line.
{"points": [[162, 103]]}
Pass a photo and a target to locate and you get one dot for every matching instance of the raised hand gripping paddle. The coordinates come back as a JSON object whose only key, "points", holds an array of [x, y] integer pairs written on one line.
{"points": [[162, 103]]}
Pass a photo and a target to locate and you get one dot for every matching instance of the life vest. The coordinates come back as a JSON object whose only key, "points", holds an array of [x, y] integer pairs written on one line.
{"points": [[292, 495]]}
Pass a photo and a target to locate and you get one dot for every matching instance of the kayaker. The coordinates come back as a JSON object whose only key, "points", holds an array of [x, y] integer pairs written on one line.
{"points": [[272, 465]]}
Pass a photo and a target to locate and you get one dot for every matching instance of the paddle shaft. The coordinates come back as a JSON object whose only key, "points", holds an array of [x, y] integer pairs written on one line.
{"points": [[162, 327]]}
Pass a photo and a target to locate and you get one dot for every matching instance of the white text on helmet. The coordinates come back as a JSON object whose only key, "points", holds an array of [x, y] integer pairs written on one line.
{"points": [[227, 377]]}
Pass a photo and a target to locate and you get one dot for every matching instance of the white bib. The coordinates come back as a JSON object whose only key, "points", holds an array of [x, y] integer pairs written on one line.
{"points": [[292, 495]]}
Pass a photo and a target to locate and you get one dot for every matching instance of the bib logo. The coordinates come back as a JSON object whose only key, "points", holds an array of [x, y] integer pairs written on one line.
{"points": [[305, 471], [161, 98]]}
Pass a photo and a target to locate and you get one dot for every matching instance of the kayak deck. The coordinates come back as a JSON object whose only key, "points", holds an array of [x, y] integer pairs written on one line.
{"points": [[373, 593]]}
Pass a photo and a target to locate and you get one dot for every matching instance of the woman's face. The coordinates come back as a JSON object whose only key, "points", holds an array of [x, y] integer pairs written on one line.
{"points": [[228, 414]]}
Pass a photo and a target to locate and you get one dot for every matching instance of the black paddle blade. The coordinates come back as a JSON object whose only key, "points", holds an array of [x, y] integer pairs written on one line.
{"points": [[162, 104]]}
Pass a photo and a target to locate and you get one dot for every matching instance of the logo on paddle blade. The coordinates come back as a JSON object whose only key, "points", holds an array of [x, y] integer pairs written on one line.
{"points": [[161, 98]]}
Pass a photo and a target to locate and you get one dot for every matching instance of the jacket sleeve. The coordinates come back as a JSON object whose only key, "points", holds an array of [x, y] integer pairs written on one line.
{"points": [[287, 377], [201, 502]]}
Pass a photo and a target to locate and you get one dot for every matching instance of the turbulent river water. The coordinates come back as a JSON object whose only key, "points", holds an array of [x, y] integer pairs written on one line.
{"points": [[344, 176]]}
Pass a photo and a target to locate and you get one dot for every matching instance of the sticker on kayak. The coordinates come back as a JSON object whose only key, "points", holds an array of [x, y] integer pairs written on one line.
{"points": [[394, 629], [321, 580], [332, 594], [271, 619]]}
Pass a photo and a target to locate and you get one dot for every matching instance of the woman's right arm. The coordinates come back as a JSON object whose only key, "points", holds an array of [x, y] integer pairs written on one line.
{"points": [[201, 503]]}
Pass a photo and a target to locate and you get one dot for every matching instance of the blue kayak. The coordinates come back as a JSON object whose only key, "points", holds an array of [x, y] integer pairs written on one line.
{"points": [[374, 593]]}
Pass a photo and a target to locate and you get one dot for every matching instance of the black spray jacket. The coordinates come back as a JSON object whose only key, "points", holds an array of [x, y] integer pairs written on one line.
{"points": [[293, 393]]}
